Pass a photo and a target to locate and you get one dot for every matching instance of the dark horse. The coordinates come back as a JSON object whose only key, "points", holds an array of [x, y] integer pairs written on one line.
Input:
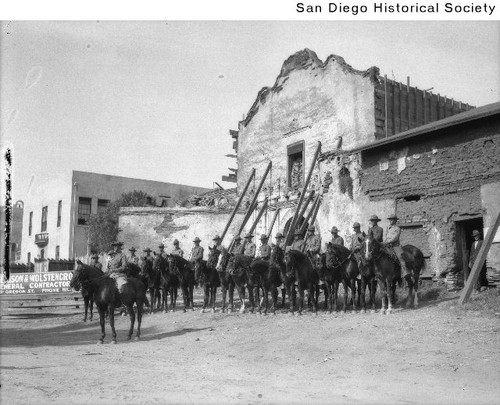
{"points": [[168, 281], [209, 278], [151, 278], [388, 270], [300, 269], [239, 269], [226, 281], [287, 280], [181, 268], [268, 278], [88, 299], [107, 297], [341, 267]]}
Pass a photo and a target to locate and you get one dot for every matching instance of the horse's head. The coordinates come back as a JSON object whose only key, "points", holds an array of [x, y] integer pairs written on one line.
{"points": [[223, 259], [277, 254], [369, 249], [80, 275], [230, 264], [213, 257]]}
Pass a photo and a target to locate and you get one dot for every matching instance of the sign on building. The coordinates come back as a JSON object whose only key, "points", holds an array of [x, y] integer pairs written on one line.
{"points": [[37, 283]]}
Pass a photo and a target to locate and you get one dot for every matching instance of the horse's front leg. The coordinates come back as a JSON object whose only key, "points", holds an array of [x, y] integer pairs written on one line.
{"points": [[283, 294], [231, 296], [383, 293], [185, 297], [213, 296], [206, 296], [301, 300], [173, 297], [223, 288], [241, 294], [373, 289], [251, 298], [274, 296], [346, 293], [313, 291], [139, 318], [86, 300], [111, 310], [131, 313], [354, 283], [361, 294], [102, 321], [91, 299], [152, 299]]}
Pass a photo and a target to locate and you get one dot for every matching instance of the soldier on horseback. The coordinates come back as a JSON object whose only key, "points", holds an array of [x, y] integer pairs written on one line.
{"points": [[218, 243], [117, 266], [375, 232], [393, 244], [196, 256], [95, 262], [298, 242], [162, 252], [280, 240], [357, 240], [264, 248], [313, 243], [133, 258], [177, 250], [147, 256], [250, 247], [237, 248], [336, 238]]}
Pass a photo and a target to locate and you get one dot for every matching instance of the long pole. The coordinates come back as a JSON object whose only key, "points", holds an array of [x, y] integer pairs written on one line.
{"points": [[309, 215], [270, 230], [263, 208], [237, 206], [304, 207], [304, 189]]}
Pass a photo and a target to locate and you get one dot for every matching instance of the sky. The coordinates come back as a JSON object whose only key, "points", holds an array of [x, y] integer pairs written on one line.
{"points": [[156, 100]]}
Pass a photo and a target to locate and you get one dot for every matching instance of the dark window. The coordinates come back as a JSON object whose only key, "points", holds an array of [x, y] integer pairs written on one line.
{"points": [[59, 210], [29, 257], [57, 252], [84, 210], [44, 219], [295, 154], [101, 204], [30, 226], [345, 181]]}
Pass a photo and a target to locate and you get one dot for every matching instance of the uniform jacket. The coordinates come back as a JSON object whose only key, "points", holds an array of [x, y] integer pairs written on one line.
{"points": [[196, 253], [178, 252], [392, 235], [265, 251], [117, 263], [249, 249], [376, 233], [298, 245], [339, 240], [313, 244], [356, 240], [237, 249]]}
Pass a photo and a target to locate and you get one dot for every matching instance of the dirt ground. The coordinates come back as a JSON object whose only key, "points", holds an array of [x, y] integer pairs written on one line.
{"points": [[434, 354]]}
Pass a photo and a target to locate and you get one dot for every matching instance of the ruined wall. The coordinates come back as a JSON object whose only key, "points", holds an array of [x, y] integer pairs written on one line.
{"points": [[436, 180], [311, 101], [148, 227]]}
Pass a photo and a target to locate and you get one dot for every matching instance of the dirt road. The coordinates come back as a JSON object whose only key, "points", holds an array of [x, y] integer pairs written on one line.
{"points": [[434, 354]]}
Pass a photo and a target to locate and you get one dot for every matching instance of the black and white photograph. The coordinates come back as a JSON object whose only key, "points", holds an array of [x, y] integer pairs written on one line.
{"points": [[250, 212]]}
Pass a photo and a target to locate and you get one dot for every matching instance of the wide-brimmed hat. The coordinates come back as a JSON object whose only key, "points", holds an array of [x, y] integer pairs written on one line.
{"points": [[216, 237], [334, 229], [392, 216], [374, 218], [263, 237], [197, 239], [238, 238], [161, 246], [146, 250], [248, 235], [279, 235], [475, 232], [311, 228], [117, 243], [356, 225], [176, 242]]}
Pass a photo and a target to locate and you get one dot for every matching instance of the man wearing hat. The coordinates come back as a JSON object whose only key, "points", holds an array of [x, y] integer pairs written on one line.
{"points": [[237, 248], [111, 253], [375, 232], [264, 248], [162, 252], [482, 281], [392, 241], [195, 256], [313, 242], [177, 250], [249, 246], [336, 238], [133, 258], [95, 262], [357, 239], [117, 266], [298, 241], [147, 256], [280, 240]]}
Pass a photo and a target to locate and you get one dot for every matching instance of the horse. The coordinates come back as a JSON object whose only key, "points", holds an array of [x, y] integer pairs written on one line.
{"points": [[168, 281], [300, 269], [369, 280], [388, 270], [278, 260], [239, 269], [267, 275], [150, 275], [318, 265], [181, 268], [209, 278], [342, 267], [226, 281], [107, 297], [88, 299]]}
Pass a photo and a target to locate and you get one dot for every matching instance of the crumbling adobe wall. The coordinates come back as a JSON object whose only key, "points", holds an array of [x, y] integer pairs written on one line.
{"points": [[311, 101], [437, 180]]}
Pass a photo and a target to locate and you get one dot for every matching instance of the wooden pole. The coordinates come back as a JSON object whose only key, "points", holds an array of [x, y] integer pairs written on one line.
{"points": [[270, 230], [304, 189], [304, 206], [259, 215], [478, 264], [237, 204], [302, 229]]}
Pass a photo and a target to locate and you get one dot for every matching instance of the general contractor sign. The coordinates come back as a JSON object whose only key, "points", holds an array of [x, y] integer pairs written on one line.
{"points": [[37, 283]]}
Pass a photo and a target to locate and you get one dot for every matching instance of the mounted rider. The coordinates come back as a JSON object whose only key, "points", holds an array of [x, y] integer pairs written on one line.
{"points": [[117, 266], [313, 243], [357, 239], [177, 250], [196, 256], [111, 254], [147, 256], [336, 238], [237, 248], [218, 243], [375, 232], [264, 248], [298, 241], [393, 244], [280, 240], [95, 262], [249, 246], [133, 258], [162, 252]]}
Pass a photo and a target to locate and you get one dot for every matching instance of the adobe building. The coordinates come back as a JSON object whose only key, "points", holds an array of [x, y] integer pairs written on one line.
{"points": [[378, 137], [57, 210]]}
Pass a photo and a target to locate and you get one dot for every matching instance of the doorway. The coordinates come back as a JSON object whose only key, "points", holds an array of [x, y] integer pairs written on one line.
{"points": [[464, 239]]}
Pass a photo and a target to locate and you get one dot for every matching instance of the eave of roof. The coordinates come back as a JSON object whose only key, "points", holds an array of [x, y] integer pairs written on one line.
{"points": [[462, 118]]}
